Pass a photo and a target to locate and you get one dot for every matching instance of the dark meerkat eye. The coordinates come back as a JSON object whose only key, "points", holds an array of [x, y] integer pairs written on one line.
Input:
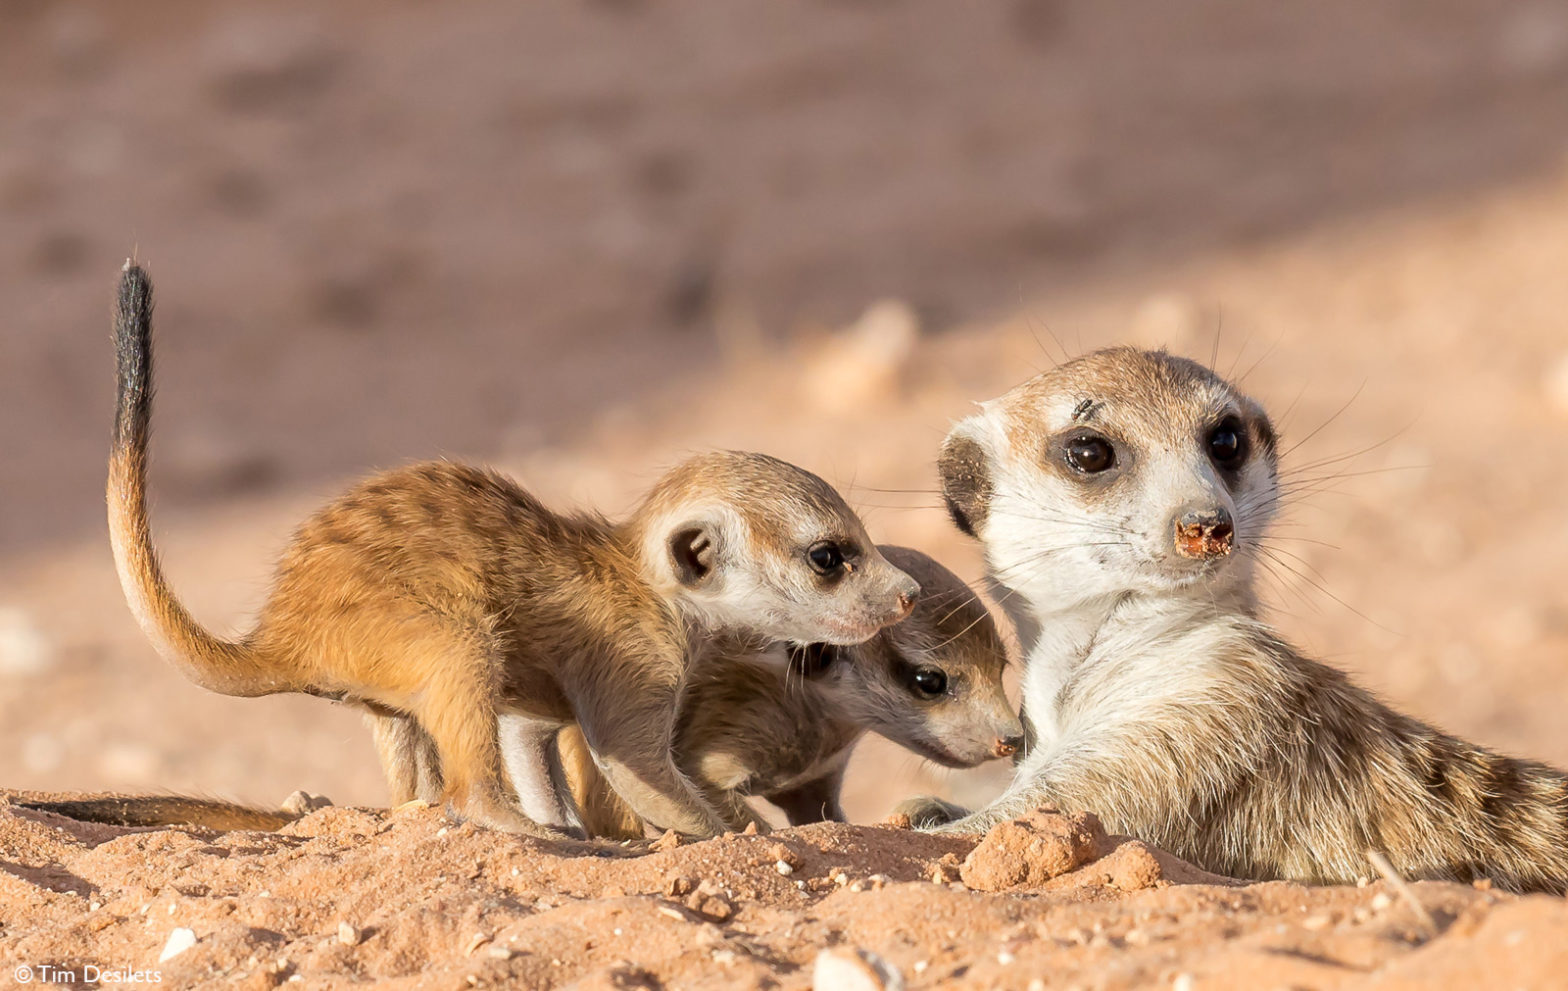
{"points": [[826, 557], [1228, 442], [1090, 454], [929, 682]]}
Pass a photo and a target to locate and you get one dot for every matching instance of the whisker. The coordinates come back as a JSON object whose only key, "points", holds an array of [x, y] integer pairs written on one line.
{"points": [[1286, 453]]}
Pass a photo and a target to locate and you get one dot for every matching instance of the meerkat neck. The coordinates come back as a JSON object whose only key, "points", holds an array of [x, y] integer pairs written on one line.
{"points": [[1059, 643]]}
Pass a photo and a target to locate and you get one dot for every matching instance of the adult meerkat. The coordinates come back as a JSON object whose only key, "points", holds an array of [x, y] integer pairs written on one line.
{"points": [[1122, 499], [781, 721], [447, 593]]}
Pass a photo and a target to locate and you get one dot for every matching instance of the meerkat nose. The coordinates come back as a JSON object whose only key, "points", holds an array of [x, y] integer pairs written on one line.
{"points": [[1008, 747], [1204, 533]]}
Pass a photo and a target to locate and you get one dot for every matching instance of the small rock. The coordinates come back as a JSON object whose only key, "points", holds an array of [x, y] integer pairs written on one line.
{"points": [[1032, 850], [669, 841], [854, 969], [710, 902], [1132, 867], [302, 802], [751, 829], [784, 854], [783, 868], [944, 873], [179, 941], [679, 887], [1381, 901], [348, 935], [500, 952], [478, 940]]}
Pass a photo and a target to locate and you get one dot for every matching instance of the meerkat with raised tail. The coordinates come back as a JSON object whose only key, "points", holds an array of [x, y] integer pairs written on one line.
{"points": [[1122, 499], [448, 594], [780, 721]]}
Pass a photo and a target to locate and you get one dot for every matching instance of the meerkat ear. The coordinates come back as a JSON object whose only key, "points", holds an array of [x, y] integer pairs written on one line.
{"points": [[966, 481], [694, 553]]}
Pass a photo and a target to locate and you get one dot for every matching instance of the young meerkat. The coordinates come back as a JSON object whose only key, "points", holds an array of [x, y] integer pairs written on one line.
{"points": [[448, 594], [1122, 500], [781, 721]]}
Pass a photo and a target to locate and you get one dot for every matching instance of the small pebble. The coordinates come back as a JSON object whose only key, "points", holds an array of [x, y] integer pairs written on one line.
{"points": [[179, 941], [783, 867], [348, 935]]}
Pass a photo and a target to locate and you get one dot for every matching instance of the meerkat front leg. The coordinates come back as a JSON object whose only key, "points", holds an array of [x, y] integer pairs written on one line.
{"points": [[631, 737], [935, 815], [528, 747]]}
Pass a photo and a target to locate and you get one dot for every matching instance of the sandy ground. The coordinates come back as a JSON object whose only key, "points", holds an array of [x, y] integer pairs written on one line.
{"points": [[395, 236], [406, 899]]}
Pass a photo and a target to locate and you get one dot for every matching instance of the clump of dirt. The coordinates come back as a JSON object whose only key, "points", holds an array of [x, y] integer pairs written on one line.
{"points": [[409, 898], [1027, 852]]}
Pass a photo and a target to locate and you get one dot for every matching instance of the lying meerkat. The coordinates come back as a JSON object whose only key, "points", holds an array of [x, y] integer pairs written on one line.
{"points": [[1123, 500], [781, 721], [447, 594]]}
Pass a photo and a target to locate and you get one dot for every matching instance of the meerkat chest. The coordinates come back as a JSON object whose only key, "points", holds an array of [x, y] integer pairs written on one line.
{"points": [[1126, 676]]}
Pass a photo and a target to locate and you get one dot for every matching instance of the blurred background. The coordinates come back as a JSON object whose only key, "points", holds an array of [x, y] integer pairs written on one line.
{"points": [[580, 240]]}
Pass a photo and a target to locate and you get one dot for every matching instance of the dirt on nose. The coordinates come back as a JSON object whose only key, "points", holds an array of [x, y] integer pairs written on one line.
{"points": [[1203, 540]]}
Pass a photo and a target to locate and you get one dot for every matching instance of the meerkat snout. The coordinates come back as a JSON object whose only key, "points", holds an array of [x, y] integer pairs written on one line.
{"points": [[1204, 534]]}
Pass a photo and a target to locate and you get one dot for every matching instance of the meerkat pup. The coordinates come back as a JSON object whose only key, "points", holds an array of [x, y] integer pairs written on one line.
{"points": [[1122, 500], [780, 721], [448, 594]]}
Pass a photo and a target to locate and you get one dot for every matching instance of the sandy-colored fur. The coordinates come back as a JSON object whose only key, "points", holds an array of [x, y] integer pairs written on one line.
{"points": [[446, 594], [1155, 696], [782, 724], [168, 810]]}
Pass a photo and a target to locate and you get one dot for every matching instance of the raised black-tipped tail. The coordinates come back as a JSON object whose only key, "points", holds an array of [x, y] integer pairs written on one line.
{"points": [[133, 358], [216, 664]]}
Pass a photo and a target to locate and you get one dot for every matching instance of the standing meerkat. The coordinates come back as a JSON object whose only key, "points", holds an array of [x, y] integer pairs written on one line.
{"points": [[447, 594], [1122, 500], [781, 721]]}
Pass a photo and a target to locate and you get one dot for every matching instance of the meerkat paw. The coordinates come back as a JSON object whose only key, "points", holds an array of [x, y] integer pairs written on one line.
{"points": [[927, 812]]}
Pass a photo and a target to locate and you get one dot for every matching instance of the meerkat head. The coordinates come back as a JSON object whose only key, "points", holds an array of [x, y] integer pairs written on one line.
{"points": [[748, 543], [932, 683], [1120, 471]]}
